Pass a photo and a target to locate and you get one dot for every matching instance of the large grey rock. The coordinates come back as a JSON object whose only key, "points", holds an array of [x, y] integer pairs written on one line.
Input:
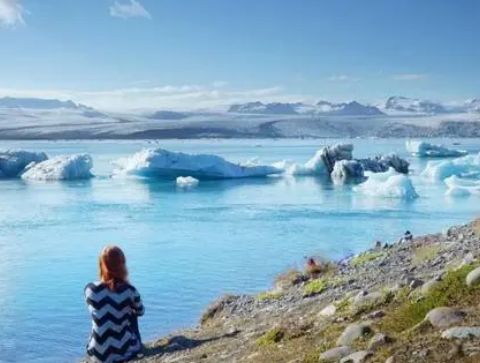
{"points": [[378, 341], [357, 357], [352, 333], [462, 332], [473, 277], [445, 317], [336, 354]]}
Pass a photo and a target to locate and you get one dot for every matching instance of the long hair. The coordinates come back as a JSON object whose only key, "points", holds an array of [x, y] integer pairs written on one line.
{"points": [[112, 267]]}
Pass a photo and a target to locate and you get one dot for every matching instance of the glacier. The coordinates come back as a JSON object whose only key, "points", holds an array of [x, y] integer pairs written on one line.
{"points": [[425, 149], [389, 184], [160, 163], [60, 168], [464, 167], [13, 162], [187, 182], [458, 187]]}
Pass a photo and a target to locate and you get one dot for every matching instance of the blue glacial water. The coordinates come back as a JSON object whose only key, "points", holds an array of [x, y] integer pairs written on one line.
{"points": [[184, 248]]}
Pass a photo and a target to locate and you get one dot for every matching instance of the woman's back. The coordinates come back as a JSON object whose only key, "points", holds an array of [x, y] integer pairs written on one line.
{"points": [[114, 337]]}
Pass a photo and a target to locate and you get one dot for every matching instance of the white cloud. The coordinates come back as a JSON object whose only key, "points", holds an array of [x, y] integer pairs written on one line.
{"points": [[133, 9], [409, 77], [11, 13], [169, 97], [342, 78]]}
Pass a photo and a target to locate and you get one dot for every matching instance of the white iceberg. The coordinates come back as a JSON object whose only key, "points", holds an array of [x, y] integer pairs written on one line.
{"points": [[187, 182], [347, 170], [464, 167], [425, 149], [13, 162], [160, 163], [458, 187], [74, 167], [388, 185], [323, 162]]}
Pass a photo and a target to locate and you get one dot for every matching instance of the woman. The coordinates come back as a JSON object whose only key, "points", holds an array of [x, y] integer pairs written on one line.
{"points": [[114, 306]]}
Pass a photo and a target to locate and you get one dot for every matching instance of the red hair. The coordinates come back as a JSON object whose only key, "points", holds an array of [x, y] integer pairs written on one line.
{"points": [[112, 267]]}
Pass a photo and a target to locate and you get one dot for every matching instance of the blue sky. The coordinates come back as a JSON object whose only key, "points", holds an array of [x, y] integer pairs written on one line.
{"points": [[203, 52]]}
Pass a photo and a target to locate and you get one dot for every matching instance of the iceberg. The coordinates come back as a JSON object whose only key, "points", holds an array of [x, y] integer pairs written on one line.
{"points": [[425, 149], [389, 184], [458, 187], [348, 170], [187, 182], [13, 162], [464, 167], [74, 167], [381, 164], [160, 163]]}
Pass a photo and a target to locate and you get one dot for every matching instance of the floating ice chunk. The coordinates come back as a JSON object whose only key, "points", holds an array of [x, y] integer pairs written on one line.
{"points": [[13, 162], [160, 163], [425, 149], [388, 185], [187, 182], [458, 187], [381, 164], [323, 162], [347, 170], [74, 167], [464, 167]]}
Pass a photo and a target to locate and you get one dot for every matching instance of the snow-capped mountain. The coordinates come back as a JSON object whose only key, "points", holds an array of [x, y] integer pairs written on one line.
{"points": [[320, 108], [473, 105], [415, 105], [40, 104]]}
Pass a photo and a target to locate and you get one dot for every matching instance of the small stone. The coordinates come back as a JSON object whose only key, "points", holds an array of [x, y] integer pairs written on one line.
{"points": [[445, 317], [424, 353], [416, 283], [329, 311], [357, 357], [462, 332], [352, 333], [336, 354], [375, 315], [379, 340], [390, 359], [427, 286], [473, 277]]}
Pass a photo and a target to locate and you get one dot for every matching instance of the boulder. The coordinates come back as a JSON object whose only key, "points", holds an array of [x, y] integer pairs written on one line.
{"points": [[445, 317], [357, 357], [352, 333], [473, 278], [462, 332], [336, 354]]}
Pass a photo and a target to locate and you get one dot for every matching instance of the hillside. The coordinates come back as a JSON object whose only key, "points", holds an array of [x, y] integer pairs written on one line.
{"points": [[403, 302]]}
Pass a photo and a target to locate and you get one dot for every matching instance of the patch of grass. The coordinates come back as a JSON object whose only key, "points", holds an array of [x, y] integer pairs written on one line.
{"points": [[313, 356], [271, 337], [343, 305], [451, 291], [289, 278], [425, 253], [366, 257], [268, 295], [315, 287]]}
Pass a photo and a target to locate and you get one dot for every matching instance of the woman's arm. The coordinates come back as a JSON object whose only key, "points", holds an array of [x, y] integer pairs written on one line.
{"points": [[137, 305]]}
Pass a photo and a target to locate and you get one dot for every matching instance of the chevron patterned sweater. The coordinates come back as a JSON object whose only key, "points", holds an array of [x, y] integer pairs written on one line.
{"points": [[113, 339]]}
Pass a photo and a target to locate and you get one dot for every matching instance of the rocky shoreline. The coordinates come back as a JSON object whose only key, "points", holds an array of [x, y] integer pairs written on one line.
{"points": [[414, 300]]}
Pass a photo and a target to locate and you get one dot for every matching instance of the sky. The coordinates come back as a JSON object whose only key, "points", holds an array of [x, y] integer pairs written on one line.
{"points": [[119, 54]]}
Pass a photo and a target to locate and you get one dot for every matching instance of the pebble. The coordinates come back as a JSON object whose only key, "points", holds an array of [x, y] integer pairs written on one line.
{"points": [[462, 332], [328, 311], [352, 333], [473, 277], [357, 357], [379, 340]]}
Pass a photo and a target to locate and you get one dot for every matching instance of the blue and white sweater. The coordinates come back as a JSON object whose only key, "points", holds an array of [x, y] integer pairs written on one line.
{"points": [[112, 338]]}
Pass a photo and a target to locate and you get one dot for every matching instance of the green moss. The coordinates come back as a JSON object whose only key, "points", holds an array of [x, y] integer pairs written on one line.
{"points": [[268, 295], [425, 253], [314, 287], [366, 257], [451, 291], [273, 336]]}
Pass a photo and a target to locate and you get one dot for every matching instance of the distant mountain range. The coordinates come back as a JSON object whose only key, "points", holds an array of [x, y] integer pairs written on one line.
{"points": [[40, 104], [320, 108]]}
